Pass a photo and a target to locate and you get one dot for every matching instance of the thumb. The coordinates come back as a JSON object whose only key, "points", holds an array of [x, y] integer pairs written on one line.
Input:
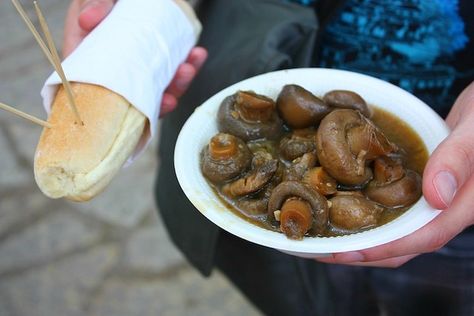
{"points": [[452, 163], [92, 12]]}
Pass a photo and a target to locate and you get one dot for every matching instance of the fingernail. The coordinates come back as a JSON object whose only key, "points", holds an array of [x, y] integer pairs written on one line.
{"points": [[445, 185], [353, 256]]}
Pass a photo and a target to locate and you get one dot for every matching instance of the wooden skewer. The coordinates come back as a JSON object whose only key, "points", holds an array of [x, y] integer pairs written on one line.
{"points": [[56, 59], [24, 115], [49, 55]]}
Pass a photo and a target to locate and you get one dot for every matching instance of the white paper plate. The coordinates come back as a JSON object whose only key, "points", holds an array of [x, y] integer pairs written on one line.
{"points": [[202, 125]]}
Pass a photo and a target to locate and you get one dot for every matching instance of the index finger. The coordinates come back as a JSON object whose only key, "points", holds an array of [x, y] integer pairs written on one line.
{"points": [[82, 17], [73, 33]]}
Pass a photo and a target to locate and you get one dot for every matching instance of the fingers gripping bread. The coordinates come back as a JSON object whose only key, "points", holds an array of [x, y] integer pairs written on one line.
{"points": [[77, 161]]}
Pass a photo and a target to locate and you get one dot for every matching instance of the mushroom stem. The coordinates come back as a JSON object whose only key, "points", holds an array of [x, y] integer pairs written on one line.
{"points": [[291, 189], [320, 180], [222, 147], [295, 218], [254, 108]]}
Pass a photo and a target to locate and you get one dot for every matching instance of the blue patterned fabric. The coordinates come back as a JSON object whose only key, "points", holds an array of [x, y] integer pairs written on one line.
{"points": [[303, 2], [420, 45]]}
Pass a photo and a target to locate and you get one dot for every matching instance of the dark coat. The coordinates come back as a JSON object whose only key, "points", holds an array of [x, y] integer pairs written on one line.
{"points": [[244, 38]]}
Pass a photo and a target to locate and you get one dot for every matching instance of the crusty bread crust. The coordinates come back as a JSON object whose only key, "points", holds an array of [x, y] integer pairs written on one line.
{"points": [[77, 161]]}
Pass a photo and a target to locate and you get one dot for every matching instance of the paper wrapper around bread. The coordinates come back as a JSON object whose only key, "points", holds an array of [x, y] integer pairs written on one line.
{"points": [[134, 53]]}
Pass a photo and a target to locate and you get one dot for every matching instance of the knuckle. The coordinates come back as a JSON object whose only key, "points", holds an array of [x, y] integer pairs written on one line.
{"points": [[465, 155], [438, 240]]}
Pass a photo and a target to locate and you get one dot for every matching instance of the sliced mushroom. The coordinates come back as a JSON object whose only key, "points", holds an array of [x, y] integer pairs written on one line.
{"points": [[225, 157], [257, 178], [256, 204], [343, 153], [249, 116], [298, 143], [346, 99], [352, 212], [294, 223], [394, 186], [299, 108]]}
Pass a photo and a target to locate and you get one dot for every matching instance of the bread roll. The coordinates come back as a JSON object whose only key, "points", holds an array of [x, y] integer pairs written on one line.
{"points": [[77, 161]]}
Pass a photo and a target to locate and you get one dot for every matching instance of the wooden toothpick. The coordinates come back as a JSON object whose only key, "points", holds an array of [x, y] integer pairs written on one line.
{"points": [[24, 115], [56, 59], [51, 52]]}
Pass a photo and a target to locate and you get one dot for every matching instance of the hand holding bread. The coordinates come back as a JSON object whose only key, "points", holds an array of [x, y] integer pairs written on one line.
{"points": [[77, 161]]}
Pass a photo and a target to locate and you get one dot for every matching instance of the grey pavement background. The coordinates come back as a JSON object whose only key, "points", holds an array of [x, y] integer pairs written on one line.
{"points": [[111, 256]]}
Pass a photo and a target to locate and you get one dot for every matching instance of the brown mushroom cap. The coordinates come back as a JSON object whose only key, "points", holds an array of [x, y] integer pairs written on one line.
{"points": [[388, 170], [353, 212], [299, 108], [369, 139], [224, 158], [346, 99], [254, 181], [344, 153], [399, 193], [253, 207], [241, 122], [289, 189], [298, 143]]}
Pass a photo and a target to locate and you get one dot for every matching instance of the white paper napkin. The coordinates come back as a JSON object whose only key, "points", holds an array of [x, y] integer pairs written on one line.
{"points": [[134, 52]]}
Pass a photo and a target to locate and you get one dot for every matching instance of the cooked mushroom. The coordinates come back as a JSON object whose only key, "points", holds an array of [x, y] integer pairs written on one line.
{"points": [[352, 212], [349, 193], [295, 218], [370, 140], [249, 116], [346, 141], [261, 174], [280, 175], [225, 157], [253, 206], [298, 143], [346, 99], [393, 186], [299, 166], [294, 223], [299, 108], [388, 170], [257, 204], [320, 180]]}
